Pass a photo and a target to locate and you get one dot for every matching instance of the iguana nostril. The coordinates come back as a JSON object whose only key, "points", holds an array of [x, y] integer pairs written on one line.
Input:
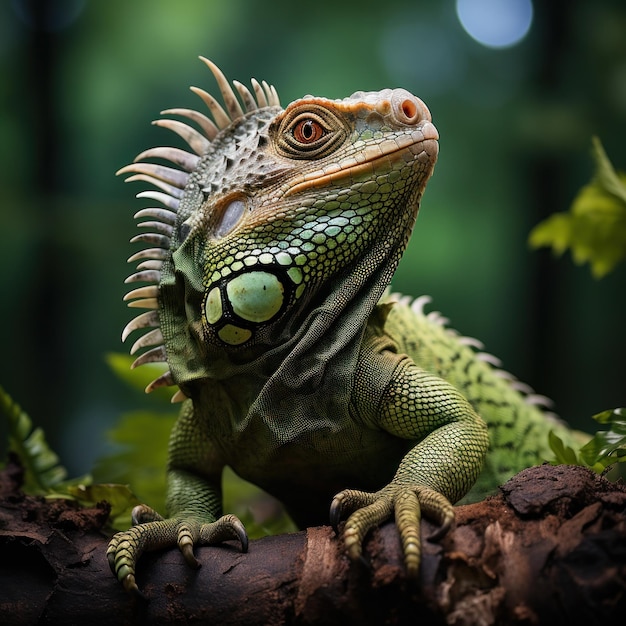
{"points": [[407, 108]]}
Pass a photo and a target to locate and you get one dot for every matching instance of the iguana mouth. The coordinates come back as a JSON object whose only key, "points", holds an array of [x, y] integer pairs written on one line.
{"points": [[366, 160]]}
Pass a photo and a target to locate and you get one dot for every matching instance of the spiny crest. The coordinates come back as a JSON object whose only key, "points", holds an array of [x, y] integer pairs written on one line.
{"points": [[530, 397], [170, 183]]}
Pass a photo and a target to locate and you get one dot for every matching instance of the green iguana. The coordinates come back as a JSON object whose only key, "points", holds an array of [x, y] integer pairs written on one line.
{"points": [[267, 268]]}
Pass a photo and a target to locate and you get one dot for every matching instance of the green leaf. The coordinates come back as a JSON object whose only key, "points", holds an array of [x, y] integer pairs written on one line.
{"points": [[607, 447], [555, 231], [611, 416], [562, 453], [605, 176], [595, 227], [43, 471], [120, 497]]}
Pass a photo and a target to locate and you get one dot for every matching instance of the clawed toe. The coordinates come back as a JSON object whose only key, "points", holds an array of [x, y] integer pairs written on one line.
{"points": [[126, 547], [405, 502]]}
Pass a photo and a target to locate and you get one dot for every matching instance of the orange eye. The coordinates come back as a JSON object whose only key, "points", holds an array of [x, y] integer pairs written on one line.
{"points": [[308, 131]]}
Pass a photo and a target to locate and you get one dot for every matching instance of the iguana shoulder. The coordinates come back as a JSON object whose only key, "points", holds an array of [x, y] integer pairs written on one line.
{"points": [[519, 419]]}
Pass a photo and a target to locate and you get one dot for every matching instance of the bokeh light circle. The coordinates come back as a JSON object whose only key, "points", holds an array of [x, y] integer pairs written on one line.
{"points": [[495, 23]]}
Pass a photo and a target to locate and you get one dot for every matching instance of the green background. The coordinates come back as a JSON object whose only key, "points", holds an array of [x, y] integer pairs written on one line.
{"points": [[81, 81]]}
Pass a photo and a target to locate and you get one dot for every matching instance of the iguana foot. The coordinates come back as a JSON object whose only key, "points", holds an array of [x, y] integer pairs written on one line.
{"points": [[152, 532], [406, 502]]}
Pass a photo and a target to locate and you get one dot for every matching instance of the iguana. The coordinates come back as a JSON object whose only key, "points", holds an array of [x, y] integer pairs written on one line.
{"points": [[267, 270]]}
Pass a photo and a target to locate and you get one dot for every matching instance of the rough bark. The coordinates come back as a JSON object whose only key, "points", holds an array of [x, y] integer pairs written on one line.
{"points": [[550, 548]]}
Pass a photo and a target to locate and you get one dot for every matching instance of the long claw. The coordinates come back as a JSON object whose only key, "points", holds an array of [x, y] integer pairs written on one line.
{"points": [[365, 563], [442, 531], [227, 527], [438, 508], [242, 535], [131, 587], [347, 501], [192, 561], [334, 514]]}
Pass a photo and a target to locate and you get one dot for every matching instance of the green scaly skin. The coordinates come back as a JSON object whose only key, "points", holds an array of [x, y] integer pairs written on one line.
{"points": [[266, 276]]}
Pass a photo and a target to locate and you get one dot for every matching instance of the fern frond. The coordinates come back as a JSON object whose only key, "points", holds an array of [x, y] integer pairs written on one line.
{"points": [[43, 471]]}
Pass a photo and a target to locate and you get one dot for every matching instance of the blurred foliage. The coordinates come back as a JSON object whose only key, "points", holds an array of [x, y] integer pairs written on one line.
{"points": [[77, 93], [120, 497], [595, 227], [141, 377], [605, 449], [138, 457]]}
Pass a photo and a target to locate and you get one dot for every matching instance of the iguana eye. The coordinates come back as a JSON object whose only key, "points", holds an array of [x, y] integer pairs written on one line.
{"points": [[308, 131]]}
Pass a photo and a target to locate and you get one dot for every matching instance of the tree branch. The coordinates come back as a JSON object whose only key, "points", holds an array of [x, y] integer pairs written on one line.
{"points": [[550, 548]]}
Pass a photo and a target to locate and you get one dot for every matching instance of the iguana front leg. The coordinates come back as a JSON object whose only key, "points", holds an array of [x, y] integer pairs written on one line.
{"points": [[437, 471], [194, 504]]}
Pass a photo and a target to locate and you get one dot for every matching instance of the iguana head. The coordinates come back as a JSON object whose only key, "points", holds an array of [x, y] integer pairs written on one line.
{"points": [[276, 225]]}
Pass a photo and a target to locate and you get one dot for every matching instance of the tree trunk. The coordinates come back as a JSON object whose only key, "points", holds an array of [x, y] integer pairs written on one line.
{"points": [[550, 548]]}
